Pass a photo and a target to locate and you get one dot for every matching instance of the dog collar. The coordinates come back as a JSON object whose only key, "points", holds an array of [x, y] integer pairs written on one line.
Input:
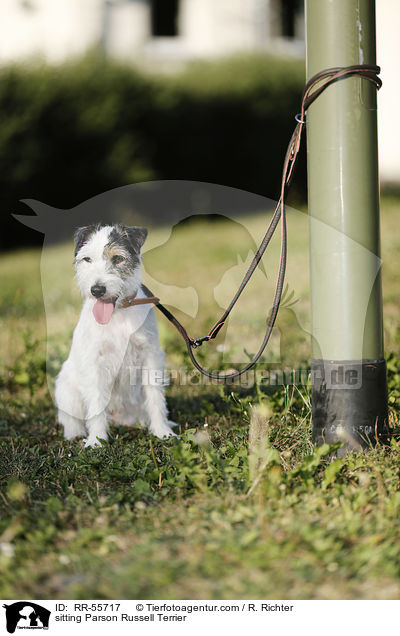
{"points": [[131, 301]]}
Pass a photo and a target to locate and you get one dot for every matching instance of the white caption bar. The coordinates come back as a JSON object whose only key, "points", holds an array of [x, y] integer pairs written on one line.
{"points": [[172, 617]]}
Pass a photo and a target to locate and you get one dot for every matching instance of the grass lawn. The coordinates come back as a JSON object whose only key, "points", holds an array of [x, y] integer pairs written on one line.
{"points": [[243, 506]]}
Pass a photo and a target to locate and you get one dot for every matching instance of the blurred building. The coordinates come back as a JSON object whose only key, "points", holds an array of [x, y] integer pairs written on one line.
{"points": [[388, 57], [155, 29], [166, 33]]}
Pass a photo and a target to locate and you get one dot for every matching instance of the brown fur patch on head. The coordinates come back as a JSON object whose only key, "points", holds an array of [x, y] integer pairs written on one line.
{"points": [[120, 259], [126, 242], [115, 250]]}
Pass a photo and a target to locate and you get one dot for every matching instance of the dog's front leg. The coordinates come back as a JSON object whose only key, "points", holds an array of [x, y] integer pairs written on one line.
{"points": [[71, 412], [155, 406], [98, 395]]}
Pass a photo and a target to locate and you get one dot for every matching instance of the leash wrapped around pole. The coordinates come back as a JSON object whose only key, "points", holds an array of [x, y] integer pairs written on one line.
{"points": [[314, 87]]}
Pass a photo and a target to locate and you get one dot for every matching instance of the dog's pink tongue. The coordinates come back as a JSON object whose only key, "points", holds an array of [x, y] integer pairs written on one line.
{"points": [[102, 311]]}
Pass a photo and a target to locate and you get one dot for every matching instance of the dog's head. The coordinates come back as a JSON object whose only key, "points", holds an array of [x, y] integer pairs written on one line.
{"points": [[108, 265]]}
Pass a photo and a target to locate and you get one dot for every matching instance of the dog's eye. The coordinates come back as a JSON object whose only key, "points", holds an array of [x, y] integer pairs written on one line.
{"points": [[87, 259], [117, 259]]}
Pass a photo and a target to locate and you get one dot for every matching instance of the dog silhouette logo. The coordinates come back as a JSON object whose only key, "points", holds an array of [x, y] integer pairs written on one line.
{"points": [[26, 615]]}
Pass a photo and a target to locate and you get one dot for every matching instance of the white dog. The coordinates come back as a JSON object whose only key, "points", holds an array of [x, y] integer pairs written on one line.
{"points": [[115, 366]]}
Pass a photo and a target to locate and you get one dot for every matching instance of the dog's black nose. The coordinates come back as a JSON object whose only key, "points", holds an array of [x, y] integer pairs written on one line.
{"points": [[98, 291]]}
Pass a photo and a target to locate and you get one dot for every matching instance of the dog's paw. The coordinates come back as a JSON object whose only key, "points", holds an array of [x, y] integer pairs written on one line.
{"points": [[94, 442], [163, 432]]}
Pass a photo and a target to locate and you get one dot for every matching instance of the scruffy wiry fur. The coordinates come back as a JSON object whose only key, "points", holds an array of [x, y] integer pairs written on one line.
{"points": [[113, 370]]}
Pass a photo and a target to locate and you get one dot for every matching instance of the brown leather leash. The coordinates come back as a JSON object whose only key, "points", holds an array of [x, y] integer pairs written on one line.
{"points": [[314, 87], [131, 301]]}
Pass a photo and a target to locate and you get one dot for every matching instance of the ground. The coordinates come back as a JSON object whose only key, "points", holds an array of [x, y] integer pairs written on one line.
{"points": [[243, 505]]}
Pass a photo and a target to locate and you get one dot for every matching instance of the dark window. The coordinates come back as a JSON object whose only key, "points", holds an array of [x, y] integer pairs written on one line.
{"points": [[164, 17], [289, 11], [28, 5]]}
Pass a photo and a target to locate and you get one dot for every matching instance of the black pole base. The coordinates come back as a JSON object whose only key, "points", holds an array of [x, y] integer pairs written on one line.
{"points": [[349, 403]]}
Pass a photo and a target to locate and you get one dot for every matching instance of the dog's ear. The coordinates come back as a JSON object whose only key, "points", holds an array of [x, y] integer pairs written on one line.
{"points": [[136, 236], [81, 236]]}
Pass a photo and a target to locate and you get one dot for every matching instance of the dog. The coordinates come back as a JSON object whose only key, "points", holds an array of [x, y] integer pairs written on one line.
{"points": [[115, 367]]}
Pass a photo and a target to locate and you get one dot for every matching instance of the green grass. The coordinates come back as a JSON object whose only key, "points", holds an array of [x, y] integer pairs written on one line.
{"points": [[243, 506]]}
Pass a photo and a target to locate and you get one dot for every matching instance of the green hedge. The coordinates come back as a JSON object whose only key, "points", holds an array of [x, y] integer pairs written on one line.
{"points": [[70, 132]]}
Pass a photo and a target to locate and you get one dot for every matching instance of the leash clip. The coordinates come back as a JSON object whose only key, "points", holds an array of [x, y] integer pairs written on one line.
{"points": [[197, 342]]}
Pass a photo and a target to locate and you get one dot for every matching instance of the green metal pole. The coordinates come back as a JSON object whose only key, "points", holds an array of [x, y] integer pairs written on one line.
{"points": [[348, 367]]}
